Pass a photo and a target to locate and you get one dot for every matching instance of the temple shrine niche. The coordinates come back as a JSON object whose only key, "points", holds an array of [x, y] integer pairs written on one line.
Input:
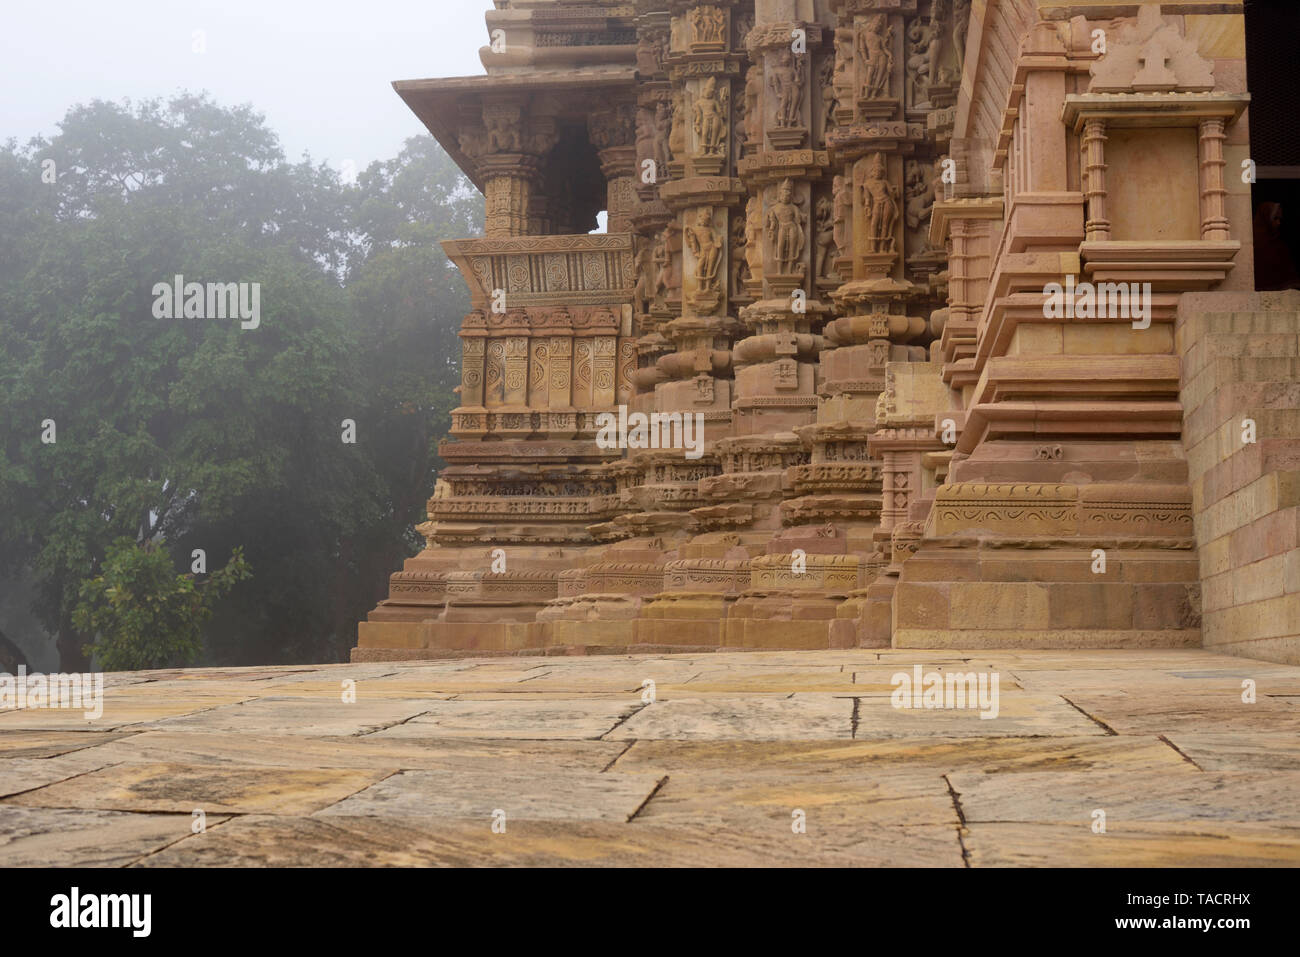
{"points": [[831, 225]]}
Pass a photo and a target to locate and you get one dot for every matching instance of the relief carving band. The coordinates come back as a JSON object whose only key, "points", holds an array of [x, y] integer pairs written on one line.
{"points": [[879, 206], [709, 25], [711, 119], [785, 229]]}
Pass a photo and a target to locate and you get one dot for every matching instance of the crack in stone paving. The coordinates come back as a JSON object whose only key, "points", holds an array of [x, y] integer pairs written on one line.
{"points": [[1097, 721], [1180, 751], [961, 821], [226, 819], [649, 797], [385, 727], [623, 720], [614, 761]]}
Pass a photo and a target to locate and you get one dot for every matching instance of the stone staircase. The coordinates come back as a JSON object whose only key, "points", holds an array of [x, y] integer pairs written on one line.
{"points": [[1241, 361]]}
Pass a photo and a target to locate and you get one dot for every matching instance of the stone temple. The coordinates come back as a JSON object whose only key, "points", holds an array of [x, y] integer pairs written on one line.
{"points": [[962, 292]]}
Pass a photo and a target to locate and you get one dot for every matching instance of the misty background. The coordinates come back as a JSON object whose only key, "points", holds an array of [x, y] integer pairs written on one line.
{"points": [[230, 142]]}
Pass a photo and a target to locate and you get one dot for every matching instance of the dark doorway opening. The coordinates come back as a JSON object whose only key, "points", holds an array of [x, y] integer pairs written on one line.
{"points": [[1273, 78]]}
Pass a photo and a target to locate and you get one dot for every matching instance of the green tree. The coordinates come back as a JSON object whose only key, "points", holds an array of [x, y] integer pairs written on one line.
{"points": [[143, 614], [200, 433]]}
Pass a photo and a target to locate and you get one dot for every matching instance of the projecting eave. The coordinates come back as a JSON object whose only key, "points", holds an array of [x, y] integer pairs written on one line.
{"points": [[447, 105]]}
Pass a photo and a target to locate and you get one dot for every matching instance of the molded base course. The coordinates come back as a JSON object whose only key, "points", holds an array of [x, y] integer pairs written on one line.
{"points": [[1045, 640]]}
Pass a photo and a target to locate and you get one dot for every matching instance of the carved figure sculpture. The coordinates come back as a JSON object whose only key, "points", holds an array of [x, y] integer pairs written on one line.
{"points": [[875, 43], [711, 119], [706, 247], [879, 206], [785, 229], [787, 84]]}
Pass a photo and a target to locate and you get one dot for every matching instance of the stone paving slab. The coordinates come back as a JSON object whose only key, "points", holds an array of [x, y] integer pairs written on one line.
{"points": [[520, 792], [299, 716], [592, 770], [349, 841], [366, 751], [48, 744], [1018, 714], [752, 717], [511, 717], [993, 755], [1071, 797], [1163, 712], [213, 789], [61, 837], [27, 774], [1240, 751], [119, 712], [1144, 844]]}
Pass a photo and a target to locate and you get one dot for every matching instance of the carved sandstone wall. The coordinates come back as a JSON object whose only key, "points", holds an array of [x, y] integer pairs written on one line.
{"points": [[831, 229]]}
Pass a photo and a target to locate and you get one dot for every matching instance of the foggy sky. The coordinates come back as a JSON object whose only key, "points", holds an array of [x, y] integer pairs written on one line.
{"points": [[319, 70]]}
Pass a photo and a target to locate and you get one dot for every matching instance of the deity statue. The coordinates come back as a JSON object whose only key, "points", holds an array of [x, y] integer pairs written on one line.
{"points": [[711, 119], [940, 19], [826, 87], [739, 255], [825, 262], [706, 247], [753, 90], [502, 134], [960, 24], [677, 134], [875, 45], [785, 228], [918, 60], [880, 206], [663, 133], [663, 261], [919, 203], [842, 77], [843, 214], [754, 237], [787, 84]]}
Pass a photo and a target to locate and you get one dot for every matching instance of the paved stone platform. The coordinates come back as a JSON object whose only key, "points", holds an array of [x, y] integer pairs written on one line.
{"points": [[589, 771]]}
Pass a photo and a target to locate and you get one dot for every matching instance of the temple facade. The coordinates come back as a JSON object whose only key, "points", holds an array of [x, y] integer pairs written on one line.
{"points": [[959, 295]]}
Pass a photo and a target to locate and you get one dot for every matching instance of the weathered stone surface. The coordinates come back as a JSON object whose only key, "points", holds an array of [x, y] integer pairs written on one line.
{"points": [[544, 793], [59, 837], [1157, 712], [1131, 844], [764, 718], [47, 744], [511, 717], [1070, 798], [26, 774], [119, 712], [302, 716], [182, 789], [345, 841], [366, 751], [707, 777]]}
